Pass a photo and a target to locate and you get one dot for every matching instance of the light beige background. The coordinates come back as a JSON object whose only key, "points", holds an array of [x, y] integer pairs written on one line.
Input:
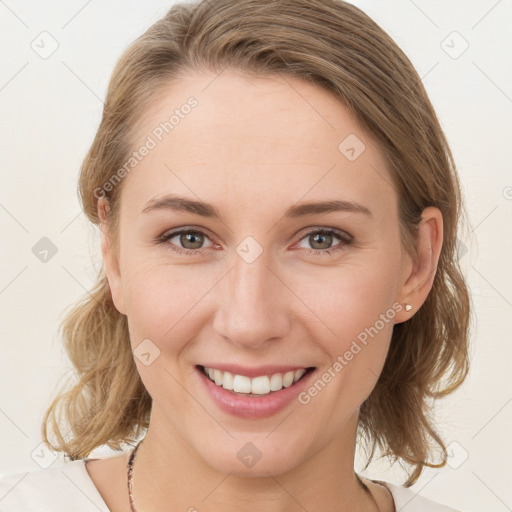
{"points": [[50, 109]]}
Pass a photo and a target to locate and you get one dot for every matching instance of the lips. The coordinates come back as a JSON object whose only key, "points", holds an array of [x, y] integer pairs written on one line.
{"points": [[254, 406]]}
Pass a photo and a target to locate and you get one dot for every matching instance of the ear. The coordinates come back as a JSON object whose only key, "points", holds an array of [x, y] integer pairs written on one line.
{"points": [[420, 275], [110, 258]]}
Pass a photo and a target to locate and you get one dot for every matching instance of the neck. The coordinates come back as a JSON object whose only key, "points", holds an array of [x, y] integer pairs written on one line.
{"points": [[169, 474]]}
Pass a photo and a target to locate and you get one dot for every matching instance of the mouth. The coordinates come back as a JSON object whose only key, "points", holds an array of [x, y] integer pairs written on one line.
{"points": [[257, 386]]}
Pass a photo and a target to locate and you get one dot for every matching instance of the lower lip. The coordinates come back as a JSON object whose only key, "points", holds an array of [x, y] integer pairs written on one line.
{"points": [[261, 406]]}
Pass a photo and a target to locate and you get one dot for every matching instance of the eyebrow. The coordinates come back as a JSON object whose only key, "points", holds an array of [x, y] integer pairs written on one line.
{"points": [[178, 203]]}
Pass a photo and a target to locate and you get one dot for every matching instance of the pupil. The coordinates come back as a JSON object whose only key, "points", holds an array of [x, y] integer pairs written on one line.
{"points": [[189, 237], [321, 236]]}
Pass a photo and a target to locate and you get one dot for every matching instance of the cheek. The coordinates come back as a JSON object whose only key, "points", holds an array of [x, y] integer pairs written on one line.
{"points": [[350, 298], [355, 328], [162, 300], [353, 323], [162, 307]]}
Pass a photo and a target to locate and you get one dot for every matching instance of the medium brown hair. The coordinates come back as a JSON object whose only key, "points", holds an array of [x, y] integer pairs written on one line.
{"points": [[334, 45]]}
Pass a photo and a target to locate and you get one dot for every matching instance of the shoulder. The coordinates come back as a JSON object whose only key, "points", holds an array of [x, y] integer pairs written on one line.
{"points": [[63, 487], [407, 500]]}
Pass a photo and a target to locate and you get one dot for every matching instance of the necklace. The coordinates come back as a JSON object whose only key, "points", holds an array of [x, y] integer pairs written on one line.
{"points": [[131, 462]]}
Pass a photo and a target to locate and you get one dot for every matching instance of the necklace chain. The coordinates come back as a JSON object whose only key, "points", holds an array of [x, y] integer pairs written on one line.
{"points": [[131, 462]]}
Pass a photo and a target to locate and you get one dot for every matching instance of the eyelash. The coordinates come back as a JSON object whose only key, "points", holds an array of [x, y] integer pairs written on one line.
{"points": [[344, 237]]}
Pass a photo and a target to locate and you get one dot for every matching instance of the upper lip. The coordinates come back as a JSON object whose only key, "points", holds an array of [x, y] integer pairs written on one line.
{"points": [[254, 371]]}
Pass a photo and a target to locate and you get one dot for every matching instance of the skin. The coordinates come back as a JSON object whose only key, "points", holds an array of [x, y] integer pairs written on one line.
{"points": [[288, 306]]}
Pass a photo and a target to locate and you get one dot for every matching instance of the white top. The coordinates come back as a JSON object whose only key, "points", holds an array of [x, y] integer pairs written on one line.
{"points": [[67, 486]]}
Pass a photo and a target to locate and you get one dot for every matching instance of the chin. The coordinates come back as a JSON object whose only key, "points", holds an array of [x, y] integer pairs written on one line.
{"points": [[255, 458]]}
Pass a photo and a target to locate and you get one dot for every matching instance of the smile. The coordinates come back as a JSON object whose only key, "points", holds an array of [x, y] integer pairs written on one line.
{"points": [[256, 386]]}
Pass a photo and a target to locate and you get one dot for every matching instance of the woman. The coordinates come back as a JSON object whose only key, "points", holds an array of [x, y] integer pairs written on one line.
{"points": [[278, 208]]}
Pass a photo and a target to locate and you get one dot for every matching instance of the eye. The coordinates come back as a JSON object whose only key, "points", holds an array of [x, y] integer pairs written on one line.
{"points": [[321, 240], [188, 241]]}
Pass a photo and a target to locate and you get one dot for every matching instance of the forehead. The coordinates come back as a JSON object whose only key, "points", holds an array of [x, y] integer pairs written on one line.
{"points": [[271, 140]]}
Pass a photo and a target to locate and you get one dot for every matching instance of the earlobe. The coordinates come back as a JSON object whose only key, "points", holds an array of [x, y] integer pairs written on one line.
{"points": [[110, 259], [420, 278]]}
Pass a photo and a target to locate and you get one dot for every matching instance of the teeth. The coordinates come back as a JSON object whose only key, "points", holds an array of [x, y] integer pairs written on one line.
{"points": [[261, 385], [241, 384], [276, 382], [227, 381], [217, 377], [288, 379], [299, 374]]}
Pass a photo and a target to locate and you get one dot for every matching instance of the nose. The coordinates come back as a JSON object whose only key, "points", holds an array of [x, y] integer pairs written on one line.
{"points": [[253, 305]]}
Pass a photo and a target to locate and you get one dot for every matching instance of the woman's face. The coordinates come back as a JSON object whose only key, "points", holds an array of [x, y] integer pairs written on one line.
{"points": [[259, 282]]}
